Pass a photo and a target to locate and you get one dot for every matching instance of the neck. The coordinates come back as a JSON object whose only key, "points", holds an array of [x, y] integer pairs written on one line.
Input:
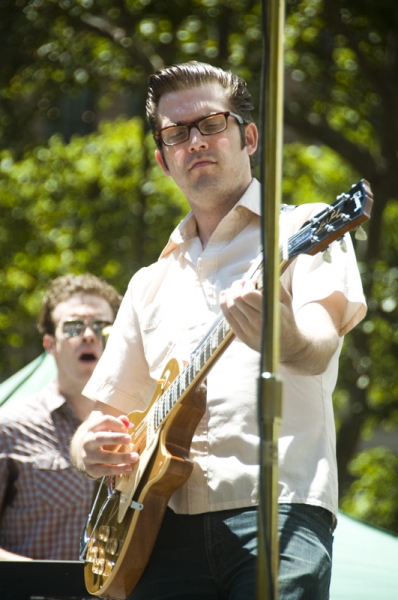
{"points": [[209, 214], [81, 405]]}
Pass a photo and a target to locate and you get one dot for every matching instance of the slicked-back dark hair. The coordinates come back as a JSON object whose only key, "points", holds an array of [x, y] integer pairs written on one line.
{"points": [[65, 287], [196, 74]]}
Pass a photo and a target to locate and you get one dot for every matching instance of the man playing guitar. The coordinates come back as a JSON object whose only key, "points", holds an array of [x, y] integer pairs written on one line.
{"points": [[206, 548]]}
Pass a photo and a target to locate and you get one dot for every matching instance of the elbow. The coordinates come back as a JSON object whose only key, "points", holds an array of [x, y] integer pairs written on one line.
{"points": [[315, 360]]}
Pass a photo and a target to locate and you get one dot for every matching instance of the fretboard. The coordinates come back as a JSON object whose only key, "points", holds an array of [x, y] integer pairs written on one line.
{"points": [[202, 359]]}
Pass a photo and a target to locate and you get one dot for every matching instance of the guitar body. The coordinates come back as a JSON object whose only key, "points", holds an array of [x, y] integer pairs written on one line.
{"points": [[135, 534]]}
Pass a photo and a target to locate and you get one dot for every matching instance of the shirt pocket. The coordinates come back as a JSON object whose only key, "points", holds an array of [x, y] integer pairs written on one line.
{"points": [[55, 482]]}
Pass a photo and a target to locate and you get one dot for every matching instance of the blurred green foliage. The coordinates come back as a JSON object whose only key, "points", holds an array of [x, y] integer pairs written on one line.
{"points": [[97, 204], [374, 494], [54, 50]]}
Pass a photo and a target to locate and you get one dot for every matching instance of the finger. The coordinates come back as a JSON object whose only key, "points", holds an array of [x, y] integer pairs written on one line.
{"points": [[246, 324], [245, 295], [108, 448], [125, 420], [108, 438], [95, 456], [100, 470], [114, 458], [242, 306], [110, 423]]}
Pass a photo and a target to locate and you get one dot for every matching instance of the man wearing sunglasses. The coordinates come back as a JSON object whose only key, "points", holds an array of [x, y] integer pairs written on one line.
{"points": [[44, 502], [201, 120]]}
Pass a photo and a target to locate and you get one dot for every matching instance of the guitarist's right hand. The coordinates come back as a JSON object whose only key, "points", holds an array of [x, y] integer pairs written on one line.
{"points": [[101, 445]]}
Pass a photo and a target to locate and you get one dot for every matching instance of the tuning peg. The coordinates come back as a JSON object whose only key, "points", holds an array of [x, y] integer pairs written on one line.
{"points": [[343, 245], [327, 256], [360, 234]]}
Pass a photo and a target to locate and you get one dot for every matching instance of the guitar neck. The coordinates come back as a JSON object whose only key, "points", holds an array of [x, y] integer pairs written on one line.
{"points": [[202, 361]]}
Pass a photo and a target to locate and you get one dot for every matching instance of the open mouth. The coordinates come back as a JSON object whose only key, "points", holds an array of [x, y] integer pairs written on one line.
{"points": [[87, 357]]}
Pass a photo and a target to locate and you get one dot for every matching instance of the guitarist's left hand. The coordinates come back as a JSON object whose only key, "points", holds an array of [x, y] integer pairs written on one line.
{"points": [[308, 338], [242, 305]]}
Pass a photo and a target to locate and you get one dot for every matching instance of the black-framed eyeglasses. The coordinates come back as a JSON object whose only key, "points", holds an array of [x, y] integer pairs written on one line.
{"points": [[176, 134], [76, 327]]}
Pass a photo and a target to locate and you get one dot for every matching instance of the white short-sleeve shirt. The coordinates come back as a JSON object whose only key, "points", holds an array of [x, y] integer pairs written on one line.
{"points": [[167, 310]]}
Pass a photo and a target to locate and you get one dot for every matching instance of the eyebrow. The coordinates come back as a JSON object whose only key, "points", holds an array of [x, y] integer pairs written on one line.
{"points": [[213, 112]]}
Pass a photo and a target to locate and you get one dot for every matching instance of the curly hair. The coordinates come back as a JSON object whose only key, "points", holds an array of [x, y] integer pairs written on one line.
{"points": [[196, 74], [64, 287]]}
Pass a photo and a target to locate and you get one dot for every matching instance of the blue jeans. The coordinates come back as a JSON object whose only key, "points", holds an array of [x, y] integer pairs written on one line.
{"points": [[212, 556]]}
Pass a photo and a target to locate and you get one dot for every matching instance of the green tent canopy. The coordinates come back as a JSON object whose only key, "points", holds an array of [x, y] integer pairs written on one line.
{"points": [[30, 379], [365, 562], [365, 558]]}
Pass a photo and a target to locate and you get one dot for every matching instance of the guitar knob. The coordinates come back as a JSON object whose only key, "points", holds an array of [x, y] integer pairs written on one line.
{"points": [[360, 234], [92, 554], [111, 546], [99, 566], [104, 533], [102, 567], [327, 256]]}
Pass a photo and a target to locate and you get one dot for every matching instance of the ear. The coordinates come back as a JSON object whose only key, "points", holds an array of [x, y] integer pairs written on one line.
{"points": [[49, 344], [251, 133], [161, 163]]}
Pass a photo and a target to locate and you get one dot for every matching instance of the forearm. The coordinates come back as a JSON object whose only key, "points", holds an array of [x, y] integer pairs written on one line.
{"points": [[310, 338], [6, 555], [309, 353]]}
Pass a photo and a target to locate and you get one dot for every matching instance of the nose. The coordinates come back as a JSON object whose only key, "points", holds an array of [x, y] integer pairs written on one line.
{"points": [[88, 332], [197, 141]]}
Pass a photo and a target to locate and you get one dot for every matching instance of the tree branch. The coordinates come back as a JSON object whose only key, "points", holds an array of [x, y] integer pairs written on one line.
{"points": [[321, 132]]}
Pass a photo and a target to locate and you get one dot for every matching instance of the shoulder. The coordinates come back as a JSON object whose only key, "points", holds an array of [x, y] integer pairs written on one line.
{"points": [[18, 411], [145, 283]]}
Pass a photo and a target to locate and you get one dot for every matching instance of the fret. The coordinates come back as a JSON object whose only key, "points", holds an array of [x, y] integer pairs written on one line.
{"points": [[206, 351], [227, 328], [197, 363], [178, 385], [186, 378], [191, 371], [220, 333], [214, 342], [169, 402], [162, 408]]}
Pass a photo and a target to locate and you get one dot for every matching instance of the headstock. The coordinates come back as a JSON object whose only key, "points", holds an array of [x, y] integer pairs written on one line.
{"points": [[346, 213]]}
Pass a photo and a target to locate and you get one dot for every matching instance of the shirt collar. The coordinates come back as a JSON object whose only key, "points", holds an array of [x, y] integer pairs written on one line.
{"points": [[52, 397], [187, 229]]}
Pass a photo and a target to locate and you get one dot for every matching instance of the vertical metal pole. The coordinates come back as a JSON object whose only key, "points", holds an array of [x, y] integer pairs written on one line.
{"points": [[270, 386]]}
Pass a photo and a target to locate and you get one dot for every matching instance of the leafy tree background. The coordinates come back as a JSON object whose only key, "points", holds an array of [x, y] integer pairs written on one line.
{"points": [[79, 189]]}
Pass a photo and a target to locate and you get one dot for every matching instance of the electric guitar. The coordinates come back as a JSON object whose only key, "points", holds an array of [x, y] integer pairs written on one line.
{"points": [[127, 511]]}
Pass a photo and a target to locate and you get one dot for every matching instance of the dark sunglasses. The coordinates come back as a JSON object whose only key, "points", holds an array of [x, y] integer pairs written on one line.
{"points": [[76, 327]]}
